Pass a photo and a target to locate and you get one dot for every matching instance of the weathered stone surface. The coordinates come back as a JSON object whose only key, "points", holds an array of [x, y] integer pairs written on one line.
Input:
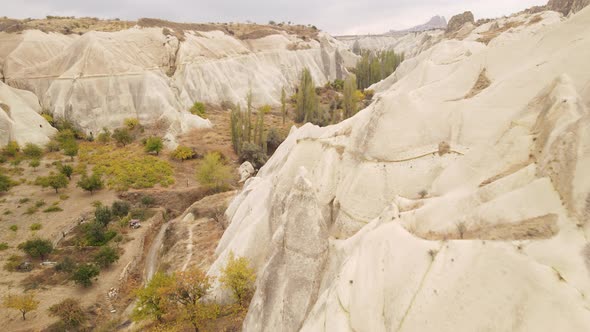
{"points": [[456, 22]]}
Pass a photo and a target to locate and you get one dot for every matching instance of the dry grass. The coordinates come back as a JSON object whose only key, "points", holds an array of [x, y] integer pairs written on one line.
{"points": [[488, 36], [482, 83], [535, 19]]}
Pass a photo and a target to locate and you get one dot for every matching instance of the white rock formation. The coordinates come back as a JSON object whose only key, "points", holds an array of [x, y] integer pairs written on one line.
{"points": [[246, 170], [19, 118], [101, 78], [387, 229]]}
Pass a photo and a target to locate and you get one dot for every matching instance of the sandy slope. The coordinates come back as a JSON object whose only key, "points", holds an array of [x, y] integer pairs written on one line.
{"points": [[440, 206]]}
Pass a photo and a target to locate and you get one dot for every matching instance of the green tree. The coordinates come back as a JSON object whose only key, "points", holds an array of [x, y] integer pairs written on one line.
{"points": [[213, 174], [105, 257], [84, 274], [37, 248], [103, 215], [238, 277], [71, 148], [23, 303], [349, 102], [66, 170], [273, 140], [152, 300], [55, 181], [254, 154], [91, 183], [154, 144], [237, 128], [198, 109], [70, 312], [120, 208], [248, 120], [307, 102], [122, 136], [32, 151]]}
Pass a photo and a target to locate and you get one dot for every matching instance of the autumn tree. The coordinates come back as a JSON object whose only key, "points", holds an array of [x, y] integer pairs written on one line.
{"points": [[152, 300], [70, 312], [122, 136], [183, 153], [238, 277], [23, 303], [187, 290]]}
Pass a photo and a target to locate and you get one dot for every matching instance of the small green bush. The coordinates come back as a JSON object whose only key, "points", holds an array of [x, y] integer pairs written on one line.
{"points": [[53, 208], [254, 154], [36, 226], [198, 109], [103, 215], [213, 174], [11, 149], [13, 228], [120, 208], [85, 274], [37, 248], [154, 144], [106, 256], [3, 246], [32, 151]]}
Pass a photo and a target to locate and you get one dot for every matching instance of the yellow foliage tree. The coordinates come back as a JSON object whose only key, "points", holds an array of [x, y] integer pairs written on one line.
{"points": [[23, 303], [238, 277], [213, 173], [183, 153]]}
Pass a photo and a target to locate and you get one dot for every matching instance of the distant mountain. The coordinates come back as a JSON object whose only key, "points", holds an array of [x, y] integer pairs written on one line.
{"points": [[437, 22]]}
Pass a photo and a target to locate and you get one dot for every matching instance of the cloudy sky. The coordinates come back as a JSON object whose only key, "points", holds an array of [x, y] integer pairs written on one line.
{"points": [[334, 16]]}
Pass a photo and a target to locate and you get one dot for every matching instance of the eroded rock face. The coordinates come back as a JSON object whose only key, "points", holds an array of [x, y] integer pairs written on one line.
{"points": [[567, 7], [101, 78], [456, 22], [417, 238]]}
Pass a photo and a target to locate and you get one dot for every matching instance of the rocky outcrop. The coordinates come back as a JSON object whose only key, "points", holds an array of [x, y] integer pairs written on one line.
{"points": [[19, 118], [458, 21], [430, 200], [567, 7]]}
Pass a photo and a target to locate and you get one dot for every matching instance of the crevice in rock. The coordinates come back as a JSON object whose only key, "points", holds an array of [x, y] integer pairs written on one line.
{"points": [[172, 61]]}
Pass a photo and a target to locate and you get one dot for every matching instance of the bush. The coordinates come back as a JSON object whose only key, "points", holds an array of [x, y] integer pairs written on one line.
{"points": [[147, 200], [239, 278], [154, 144], [36, 226], [3, 246], [131, 123], [183, 153], [213, 174], [198, 109], [120, 208], [273, 140], [152, 299], [5, 183], [85, 274], [13, 228], [105, 257], [37, 248], [104, 137], [254, 154], [103, 215], [122, 136], [66, 170], [53, 208], [52, 146], [70, 312], [32, 151], [67, 265], [11, 149], [91, 183], [35, 163]]}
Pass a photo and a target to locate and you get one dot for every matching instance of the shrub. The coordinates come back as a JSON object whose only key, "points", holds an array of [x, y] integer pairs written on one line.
{"points": [[69, 312], [96, 234], [154, 144], [5, 183], [91, 183], [104, 137], [32, 151], [198, 109], [35, 163], [52, 146], [187, 290], [122, 136], [254, 154], [239, 278], [71, 148], [147, 200], [55, 181], [85, 274], [16, 263], [36, 226], [11, 149], [131, 123], [213, 174], [53, 208], [13, 228], [120, 208], [105, 257], [103, 215], [23, 303], [3, 246], [183, 153], [37, 248]]}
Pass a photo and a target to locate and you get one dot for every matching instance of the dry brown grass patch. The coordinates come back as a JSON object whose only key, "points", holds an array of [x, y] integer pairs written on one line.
{"points": [[482, 83]]}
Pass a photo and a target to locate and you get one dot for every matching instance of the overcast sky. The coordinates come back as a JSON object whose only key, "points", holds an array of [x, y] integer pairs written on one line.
{"points": [[334, 16]]}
